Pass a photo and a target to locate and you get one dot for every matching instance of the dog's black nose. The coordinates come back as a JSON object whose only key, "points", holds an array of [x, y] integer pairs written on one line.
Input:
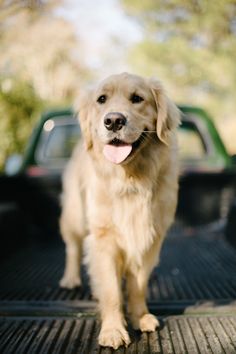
{"points": [[114, 121]]}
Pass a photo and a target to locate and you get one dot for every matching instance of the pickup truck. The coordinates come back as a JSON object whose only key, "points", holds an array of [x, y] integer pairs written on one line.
{"points": [[207, 171], [192, 290]]}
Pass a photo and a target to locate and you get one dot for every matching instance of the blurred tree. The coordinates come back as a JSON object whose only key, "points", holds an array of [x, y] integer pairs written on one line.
{"points": [[39, 66], [191, 45], [18, 106]]}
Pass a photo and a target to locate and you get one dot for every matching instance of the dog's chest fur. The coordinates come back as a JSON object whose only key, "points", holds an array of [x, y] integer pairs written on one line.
{"points": [[130, 217], [135, 223]]}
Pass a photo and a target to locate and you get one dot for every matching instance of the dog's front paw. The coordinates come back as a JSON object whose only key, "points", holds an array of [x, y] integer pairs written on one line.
{"points": [[148, 323], [70, 282], [114, 337]]}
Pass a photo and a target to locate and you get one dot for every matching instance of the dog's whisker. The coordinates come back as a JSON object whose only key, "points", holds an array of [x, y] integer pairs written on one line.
{"points": [[149, 131], [144, 131]]}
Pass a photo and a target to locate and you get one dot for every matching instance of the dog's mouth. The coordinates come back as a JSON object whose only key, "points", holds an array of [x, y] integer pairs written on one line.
{"points": [[117, 151]]}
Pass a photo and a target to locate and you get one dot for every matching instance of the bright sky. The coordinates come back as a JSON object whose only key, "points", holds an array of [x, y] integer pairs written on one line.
{"points": [[105, 31]]}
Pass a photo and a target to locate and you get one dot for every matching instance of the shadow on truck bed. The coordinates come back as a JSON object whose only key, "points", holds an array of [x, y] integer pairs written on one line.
{"points": [[28, 211]]}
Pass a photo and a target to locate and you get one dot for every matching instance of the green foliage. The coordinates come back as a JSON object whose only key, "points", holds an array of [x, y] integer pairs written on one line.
{"points": [[38, 68], [19, 105], [191, 46]]}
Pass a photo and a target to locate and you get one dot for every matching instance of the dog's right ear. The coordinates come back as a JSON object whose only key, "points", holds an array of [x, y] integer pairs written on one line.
{"points": [[81, 107]]}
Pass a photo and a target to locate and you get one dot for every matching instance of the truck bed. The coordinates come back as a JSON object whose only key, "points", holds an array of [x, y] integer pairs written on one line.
{"points": [[192, 291]]}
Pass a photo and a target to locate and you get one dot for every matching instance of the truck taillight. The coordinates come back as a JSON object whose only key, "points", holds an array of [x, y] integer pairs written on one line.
{"points": [[36, 171]]}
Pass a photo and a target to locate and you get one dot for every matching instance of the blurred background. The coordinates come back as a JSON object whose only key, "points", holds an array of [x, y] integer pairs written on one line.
{"points": [[50, 49]]}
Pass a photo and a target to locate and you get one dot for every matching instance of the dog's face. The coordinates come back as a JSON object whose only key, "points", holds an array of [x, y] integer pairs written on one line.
{"points": [[118, 116]]}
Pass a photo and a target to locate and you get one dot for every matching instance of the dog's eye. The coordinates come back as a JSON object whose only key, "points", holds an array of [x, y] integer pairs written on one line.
{"points": [[136, 98], [102, 99]]}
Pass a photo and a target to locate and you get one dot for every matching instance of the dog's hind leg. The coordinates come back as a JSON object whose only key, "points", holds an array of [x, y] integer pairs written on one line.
{"points": [[73, 241], [71, 277]]}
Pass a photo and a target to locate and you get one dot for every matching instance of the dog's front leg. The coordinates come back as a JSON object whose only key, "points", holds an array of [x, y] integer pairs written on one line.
{"points": [[138, 311], [105, 271]]}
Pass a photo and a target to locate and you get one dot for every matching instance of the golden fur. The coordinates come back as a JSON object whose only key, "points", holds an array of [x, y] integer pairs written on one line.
{"points": [[125, 209]]}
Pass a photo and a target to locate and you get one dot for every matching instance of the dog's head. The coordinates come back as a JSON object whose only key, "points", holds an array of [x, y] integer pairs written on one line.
{"points": [[119, 116]]}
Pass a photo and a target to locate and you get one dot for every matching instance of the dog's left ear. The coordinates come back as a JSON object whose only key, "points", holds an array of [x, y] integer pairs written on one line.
{"points": [[168, 115]]}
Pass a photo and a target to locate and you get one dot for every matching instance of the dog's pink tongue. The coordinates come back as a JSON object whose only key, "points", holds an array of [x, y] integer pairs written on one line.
{"points": [[117, 154]]}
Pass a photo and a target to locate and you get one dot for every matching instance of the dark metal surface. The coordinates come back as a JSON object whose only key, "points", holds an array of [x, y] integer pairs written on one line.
{"points": [[192, 291], [179, 335], [194, 266]]}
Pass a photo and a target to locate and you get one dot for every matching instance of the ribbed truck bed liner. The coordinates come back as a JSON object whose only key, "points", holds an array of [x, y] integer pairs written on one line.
{"points": [[193, 266], [179, 335], [192, 291]]}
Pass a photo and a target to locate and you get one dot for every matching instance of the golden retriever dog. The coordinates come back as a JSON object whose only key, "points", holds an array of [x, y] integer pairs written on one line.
{"points": [[120, 190]]}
